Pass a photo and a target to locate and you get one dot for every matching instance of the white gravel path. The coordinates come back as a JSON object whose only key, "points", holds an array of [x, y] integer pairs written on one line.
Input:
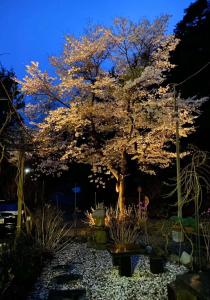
{"points": [[101, 280]]}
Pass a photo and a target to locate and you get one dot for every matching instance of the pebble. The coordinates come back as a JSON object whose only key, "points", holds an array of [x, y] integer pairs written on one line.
{"points": [[101, 280]]}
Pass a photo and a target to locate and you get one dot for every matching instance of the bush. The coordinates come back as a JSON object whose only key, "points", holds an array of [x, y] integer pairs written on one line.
{"points": [[186, 222], [6, 275], [27, 259], [22, 260], [21, 263]]}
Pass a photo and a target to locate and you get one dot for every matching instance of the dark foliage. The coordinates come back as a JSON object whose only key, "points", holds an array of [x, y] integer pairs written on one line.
{"points": [[192, 53], [9, 89], [21, 263], [10, 130]]}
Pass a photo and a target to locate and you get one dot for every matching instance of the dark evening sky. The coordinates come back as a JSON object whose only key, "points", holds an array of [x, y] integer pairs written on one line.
{"points": [[35, 29]]}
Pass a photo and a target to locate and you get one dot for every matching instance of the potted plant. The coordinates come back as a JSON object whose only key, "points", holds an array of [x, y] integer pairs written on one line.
{"points": [[157, 260], [124, 231], [180, 226]]}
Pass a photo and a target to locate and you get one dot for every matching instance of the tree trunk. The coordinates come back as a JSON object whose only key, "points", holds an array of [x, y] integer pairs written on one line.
{"points": [[120, 185], [121, 197], [120, 189]]}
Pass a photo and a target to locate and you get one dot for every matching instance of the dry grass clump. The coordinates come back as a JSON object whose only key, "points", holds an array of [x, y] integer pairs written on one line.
{"points": [[89, 218], [50, 231], [126, 228]]}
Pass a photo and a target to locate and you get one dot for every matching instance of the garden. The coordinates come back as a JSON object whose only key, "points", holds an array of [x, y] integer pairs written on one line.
{"points": [[105, 166]]}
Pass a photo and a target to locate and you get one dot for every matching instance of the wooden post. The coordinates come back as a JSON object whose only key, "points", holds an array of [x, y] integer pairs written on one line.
{"points": [[179, 192], [20, 194]]}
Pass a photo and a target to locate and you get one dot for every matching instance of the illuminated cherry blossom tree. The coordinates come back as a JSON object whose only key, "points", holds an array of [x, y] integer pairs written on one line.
{"points": [[106, 116]]}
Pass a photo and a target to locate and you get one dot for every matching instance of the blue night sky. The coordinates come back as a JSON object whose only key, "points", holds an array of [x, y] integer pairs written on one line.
{"points": [[35, 29]]}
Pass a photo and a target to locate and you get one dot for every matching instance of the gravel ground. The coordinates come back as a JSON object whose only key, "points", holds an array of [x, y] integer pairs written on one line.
{"points": [[100, 279]]}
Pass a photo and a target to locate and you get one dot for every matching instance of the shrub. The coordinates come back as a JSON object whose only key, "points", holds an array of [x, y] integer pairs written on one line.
{"points": [[6, 275], [21, 262], [185, 222]]}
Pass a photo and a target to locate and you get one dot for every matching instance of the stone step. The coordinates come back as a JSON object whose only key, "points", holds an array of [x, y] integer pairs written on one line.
{"points": [[66, 278], [76, 294], [64, 268]]}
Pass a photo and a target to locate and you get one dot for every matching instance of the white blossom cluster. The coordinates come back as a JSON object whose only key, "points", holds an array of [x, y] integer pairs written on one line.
{"points": [[128, 111]]}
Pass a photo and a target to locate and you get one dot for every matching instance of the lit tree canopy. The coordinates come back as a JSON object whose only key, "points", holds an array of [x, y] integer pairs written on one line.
{"points": [[109, 116]]}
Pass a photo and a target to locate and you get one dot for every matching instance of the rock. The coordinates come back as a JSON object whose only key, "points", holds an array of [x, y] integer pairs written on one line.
{"points": [[177, 236], [101, 279], [148, 249], [185, 258], [190, 286]]}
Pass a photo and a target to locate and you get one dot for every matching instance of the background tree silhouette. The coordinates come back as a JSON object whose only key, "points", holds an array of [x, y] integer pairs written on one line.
{"points": [[10, 130], [10, 100], [191, 54]]}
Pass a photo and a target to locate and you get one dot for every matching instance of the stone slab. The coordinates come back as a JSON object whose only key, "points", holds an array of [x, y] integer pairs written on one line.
{"points": [[79, 294]]}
